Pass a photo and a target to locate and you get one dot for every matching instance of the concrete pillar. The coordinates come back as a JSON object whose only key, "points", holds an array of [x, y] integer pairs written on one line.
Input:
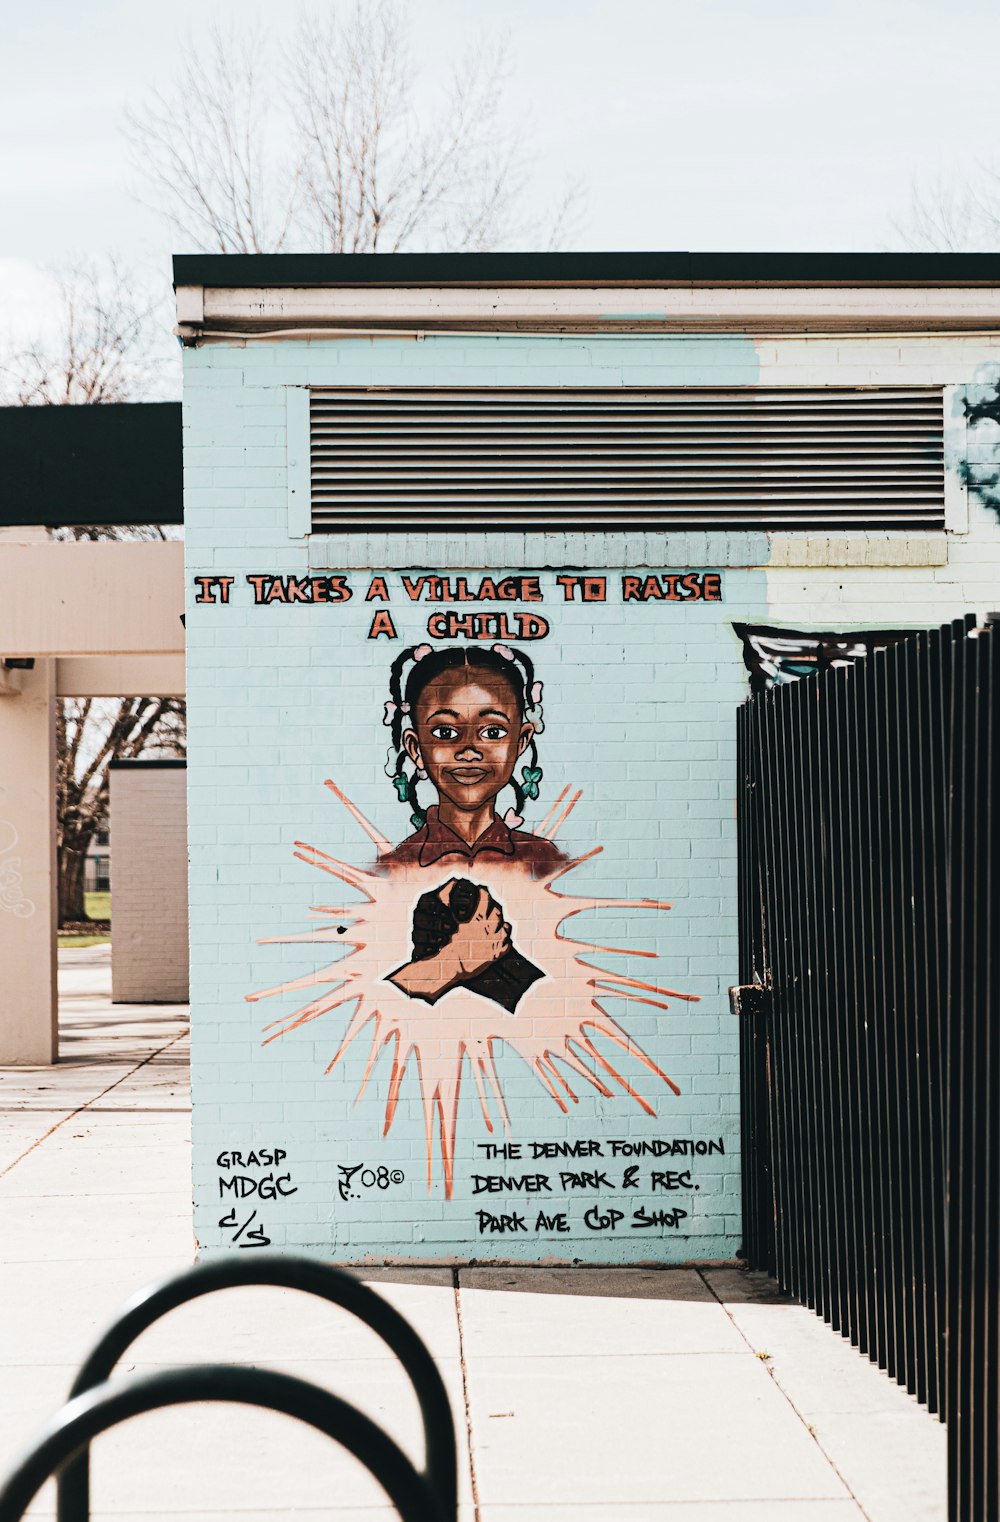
{"points": [[29, 1029]]}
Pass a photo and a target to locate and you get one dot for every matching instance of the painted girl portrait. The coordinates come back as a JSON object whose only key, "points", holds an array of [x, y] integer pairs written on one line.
{"points": [[464, 725]]}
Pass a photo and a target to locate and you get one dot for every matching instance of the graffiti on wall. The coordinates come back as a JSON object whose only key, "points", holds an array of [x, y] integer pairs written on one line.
{"points": [[775, 656], [12, 896], [460, 936], [980, 471]]}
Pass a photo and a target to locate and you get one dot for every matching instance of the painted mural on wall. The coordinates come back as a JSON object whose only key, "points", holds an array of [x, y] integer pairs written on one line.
{"points": [[463, 939], [980, 406], [458, 926], [775, 656]]}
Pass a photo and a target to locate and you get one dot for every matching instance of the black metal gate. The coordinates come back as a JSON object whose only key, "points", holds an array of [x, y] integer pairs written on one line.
{"points": [[870, 1027]]}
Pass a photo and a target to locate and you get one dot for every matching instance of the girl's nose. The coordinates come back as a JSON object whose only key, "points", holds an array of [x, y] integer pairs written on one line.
{"points": [[469, 752]]}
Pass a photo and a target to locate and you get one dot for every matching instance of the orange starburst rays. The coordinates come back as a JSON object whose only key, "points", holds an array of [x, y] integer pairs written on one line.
{"points": [[556, 1021]]}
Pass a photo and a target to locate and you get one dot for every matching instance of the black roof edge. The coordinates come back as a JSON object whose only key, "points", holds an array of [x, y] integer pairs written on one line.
{"points": [[117, 463], [231, 270], [149, 764]]}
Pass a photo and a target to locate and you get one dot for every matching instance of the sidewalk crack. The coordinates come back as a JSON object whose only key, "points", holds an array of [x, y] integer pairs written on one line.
{"points": [[779, 1386], [81, 1109], [465, 1393]]}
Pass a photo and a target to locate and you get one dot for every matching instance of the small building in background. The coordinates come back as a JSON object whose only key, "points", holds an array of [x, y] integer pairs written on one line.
{"points": [[97, 865], [148, 816]]}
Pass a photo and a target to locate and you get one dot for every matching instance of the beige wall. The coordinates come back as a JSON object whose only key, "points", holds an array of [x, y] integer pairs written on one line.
{"points": [[114, 676], [73, 599], [149, 899]]}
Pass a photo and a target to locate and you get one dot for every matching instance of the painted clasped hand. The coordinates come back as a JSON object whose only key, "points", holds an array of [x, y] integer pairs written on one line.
{"points": [[475, 945]]}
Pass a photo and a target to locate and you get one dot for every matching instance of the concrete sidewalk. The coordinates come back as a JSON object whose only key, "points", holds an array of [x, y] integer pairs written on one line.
{"points": [[684, 1395]]}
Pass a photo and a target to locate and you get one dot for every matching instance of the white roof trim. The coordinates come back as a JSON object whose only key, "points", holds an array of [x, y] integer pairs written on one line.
{"points": [[280, 311]]}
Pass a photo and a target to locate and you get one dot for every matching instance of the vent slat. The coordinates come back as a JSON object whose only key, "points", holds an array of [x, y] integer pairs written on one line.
{"points": [[379, 429], [391, 475], [348, 449], [699, 457], [634, 518], [546, 495]]}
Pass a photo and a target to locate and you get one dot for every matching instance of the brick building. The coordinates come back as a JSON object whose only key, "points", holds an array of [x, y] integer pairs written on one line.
{"points": [[150, 961], [417, 487]]}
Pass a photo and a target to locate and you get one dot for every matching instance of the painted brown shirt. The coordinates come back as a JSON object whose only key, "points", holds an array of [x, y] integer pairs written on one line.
{"points": [[435, 841]]}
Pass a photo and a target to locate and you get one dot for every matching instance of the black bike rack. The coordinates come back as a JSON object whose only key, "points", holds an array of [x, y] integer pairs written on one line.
{"points": [[94, 1405], [75, 1426]]}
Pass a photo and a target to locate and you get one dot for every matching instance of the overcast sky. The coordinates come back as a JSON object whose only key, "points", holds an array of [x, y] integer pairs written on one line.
{"points": [[708, 124]]}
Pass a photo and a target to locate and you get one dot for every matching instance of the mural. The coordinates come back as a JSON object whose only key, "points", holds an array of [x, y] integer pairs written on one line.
{"points": [[981, 408], [775, 656], [465, 921], [458, 937], [468, 717]]}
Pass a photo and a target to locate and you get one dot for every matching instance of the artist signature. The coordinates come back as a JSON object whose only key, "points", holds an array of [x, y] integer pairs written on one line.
{"points": [[257, 1238]]}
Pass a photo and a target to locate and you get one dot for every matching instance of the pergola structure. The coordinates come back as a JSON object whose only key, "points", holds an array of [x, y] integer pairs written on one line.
{"points": [[77, 619]]}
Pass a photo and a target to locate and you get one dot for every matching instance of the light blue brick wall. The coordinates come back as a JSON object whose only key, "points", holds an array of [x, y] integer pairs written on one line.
{"points": [[639, 703]]}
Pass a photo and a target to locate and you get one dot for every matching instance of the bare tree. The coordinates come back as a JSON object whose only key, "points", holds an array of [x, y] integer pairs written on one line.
{"points": [[365, 168], [101, 352], [952, 214], [205, 149], [375, 176]]}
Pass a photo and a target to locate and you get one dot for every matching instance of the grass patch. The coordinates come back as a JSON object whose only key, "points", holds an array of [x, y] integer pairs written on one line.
{"points": [[83, 940], [97, 906]]}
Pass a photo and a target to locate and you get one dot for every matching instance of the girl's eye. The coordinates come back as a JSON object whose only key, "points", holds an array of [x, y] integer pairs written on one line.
{"points": [[493, 732], [444, 732]]}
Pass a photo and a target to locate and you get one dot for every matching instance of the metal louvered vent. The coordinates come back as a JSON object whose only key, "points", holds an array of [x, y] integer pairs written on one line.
{"points": [[762, 457]]}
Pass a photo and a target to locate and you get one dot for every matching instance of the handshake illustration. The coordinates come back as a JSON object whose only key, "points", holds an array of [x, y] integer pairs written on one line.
{"points": [[461, 939]]}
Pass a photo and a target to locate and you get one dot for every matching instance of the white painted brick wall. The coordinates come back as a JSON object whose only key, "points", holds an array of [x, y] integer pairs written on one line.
{"points": [[149, 888], [282, 698]]}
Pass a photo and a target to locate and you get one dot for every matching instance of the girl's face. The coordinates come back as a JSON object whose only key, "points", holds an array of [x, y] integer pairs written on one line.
{"points": [[467, 735]]}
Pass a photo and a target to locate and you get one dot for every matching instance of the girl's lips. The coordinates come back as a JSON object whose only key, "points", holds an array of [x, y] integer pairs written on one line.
{"points": [[467, 774]]}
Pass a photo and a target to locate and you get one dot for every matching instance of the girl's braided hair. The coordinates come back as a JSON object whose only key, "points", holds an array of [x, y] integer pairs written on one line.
{"points": [[518, 672]]}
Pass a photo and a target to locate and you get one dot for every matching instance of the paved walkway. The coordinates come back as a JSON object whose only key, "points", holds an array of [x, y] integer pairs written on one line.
{"points": [[622, 1395]]}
